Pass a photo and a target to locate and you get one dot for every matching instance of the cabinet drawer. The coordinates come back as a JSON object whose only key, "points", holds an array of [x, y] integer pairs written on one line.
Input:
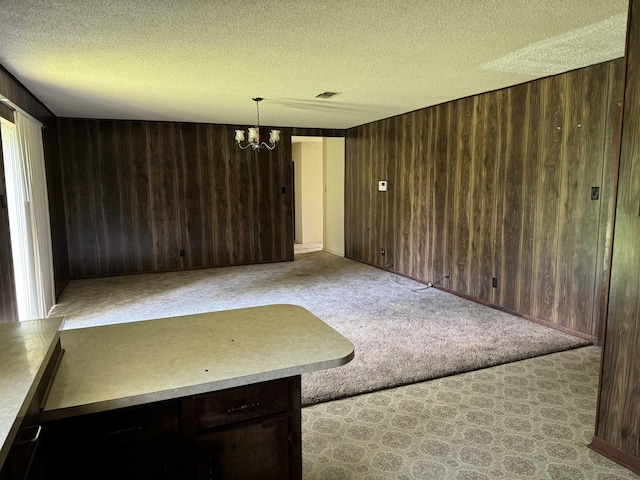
{"points": [[122, 426], [255, 451], [241, 403]]}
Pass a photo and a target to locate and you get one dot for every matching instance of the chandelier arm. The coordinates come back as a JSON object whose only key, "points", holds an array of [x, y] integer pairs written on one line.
{"points": [[268, 147], [245, 147]]}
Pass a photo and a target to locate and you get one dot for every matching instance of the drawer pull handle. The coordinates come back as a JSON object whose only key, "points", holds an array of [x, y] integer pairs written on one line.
{"points": [[135, 428], [35, 437], [241, 408]]}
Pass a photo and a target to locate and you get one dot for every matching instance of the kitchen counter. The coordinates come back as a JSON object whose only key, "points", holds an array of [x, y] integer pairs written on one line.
{"points": [[115, 366], [25, 351]]}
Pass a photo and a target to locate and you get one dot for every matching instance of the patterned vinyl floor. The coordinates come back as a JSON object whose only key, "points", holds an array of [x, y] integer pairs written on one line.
{"points": [[526, 420]]}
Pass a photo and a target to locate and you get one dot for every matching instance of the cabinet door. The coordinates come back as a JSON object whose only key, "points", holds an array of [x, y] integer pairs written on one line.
{"points": [[135, 462], [143, 461], [254, 451], [132, 443]]}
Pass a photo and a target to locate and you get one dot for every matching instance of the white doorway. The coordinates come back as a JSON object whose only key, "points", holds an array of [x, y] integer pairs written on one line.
{"points": [[318, 172]]}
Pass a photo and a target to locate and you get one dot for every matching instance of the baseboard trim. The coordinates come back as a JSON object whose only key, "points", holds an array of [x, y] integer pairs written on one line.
{"points": [[63, 285], [590, 338], [614, 453], [585, 336]]}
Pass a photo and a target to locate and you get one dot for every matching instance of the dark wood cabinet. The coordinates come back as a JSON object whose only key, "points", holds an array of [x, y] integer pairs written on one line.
{"points": [[229, 409], [248, 432], [131, 443]]}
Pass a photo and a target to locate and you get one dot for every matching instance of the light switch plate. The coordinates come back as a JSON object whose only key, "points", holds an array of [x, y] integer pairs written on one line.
{"points": [[382, 186]]}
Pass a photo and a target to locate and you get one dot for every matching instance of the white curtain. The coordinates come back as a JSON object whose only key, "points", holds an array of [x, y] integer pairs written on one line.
{"points": [[19, 224], [28, 216]]}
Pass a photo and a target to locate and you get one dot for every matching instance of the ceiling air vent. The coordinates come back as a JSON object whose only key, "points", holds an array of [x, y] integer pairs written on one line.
{"points": [[326, 95]]}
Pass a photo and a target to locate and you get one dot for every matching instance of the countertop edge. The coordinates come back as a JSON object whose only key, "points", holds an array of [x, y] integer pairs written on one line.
{"points": [[13, 431], [152, 397]]}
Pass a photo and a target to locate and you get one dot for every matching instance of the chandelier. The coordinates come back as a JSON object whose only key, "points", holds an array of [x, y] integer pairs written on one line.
{"points": [[254, 134]]}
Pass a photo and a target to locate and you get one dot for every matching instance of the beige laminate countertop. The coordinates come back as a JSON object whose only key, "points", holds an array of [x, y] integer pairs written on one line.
{"points": [[127, 364], [25, 351]]}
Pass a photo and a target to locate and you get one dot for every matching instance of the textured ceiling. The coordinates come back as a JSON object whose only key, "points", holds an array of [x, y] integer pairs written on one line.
{"points": [[202, 61]]}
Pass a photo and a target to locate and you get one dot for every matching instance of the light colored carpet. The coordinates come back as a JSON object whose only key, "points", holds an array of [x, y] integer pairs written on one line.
{"points": [[299, 248], [400, 336]]}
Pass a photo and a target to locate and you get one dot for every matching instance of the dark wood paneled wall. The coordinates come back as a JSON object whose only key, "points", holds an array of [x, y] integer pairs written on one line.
{"points": [[618, 425], [316, 132], [495, 185], [20, 96], [137, 193]]}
